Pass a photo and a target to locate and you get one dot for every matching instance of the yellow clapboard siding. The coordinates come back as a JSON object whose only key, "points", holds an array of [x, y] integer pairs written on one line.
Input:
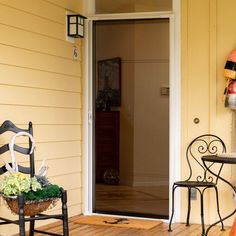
{"points": [[72, 181], [40, 82], [64, 166], [59, 133], [39, 43], [76, 6], [40, 8], [29, 59], [39, 115], [75, 210], [56, 167], [51, 155], [50, 133], [55, 150], [30, 97], [13, 75], [53, 142], [73, 199], [74, 196], [29, 22]]}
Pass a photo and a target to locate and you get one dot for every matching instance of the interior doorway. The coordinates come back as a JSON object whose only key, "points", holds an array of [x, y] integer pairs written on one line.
{"points": [[131, 96]]}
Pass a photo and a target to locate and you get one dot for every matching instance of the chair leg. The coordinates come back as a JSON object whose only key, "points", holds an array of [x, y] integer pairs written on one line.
{"points": [[218, 209], [31, 229], [21, 203], [202, 214], [189, 206], [65, 213], [173, 207]]}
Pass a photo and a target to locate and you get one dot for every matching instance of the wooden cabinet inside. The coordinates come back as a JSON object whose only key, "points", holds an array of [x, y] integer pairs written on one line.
{"points": [[107, 135]]}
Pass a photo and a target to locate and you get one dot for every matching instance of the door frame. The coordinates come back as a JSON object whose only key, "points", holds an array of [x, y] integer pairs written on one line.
{"points": [[174, 105]]}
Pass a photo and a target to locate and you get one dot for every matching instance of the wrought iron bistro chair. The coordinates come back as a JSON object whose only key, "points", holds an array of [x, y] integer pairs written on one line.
{"points": [[8, 126], [199, 178]]}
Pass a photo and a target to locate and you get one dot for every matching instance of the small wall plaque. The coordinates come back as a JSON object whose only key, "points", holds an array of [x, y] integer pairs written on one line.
{"points": [[165, 91]]}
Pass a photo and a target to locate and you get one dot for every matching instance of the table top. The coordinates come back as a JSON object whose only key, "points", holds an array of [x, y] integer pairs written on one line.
{"points": [[218, 159]]}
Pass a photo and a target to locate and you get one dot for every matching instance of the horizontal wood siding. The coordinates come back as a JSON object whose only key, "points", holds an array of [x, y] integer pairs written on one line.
{"points": [[41, 82]]}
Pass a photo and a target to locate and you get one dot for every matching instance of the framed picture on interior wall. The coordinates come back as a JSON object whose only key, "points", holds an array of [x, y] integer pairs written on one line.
{"points": [[109, 81]]}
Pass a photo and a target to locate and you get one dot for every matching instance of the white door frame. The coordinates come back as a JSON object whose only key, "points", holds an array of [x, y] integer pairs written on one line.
{"points": [[175, 102]]}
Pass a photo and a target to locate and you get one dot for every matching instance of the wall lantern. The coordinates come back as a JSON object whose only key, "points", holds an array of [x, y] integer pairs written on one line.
{"points": [[75, 26]]}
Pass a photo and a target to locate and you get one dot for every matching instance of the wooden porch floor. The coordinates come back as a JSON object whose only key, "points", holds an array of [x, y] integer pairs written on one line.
{"points": [[161, 230]]}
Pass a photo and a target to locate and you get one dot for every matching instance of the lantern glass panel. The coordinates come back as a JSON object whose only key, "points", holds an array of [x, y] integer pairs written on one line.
{"points": [[73, 19], [72, 29], [80, 30]]}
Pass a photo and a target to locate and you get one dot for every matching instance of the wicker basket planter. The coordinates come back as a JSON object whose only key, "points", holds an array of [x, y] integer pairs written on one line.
{"points": [[31, 208]]}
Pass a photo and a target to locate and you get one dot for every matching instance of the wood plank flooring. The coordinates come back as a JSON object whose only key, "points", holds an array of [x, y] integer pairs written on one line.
{"points": [[161, 230]]}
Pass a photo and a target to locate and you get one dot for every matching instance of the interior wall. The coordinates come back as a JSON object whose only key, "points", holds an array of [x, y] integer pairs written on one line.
{"points": [[40, 82], [143, 112], [151, 109], [116, 40], [206, 44]]}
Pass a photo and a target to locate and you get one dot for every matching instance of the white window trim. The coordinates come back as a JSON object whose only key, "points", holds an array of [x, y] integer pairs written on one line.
{"points": [[175, 102]]}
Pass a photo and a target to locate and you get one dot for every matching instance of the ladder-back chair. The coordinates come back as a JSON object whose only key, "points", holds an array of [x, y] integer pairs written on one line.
{"points": [[29, 169]]}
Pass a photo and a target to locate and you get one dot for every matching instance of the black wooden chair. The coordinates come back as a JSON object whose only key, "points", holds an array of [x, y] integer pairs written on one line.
{"points": [[199, 178], [8, 126]]}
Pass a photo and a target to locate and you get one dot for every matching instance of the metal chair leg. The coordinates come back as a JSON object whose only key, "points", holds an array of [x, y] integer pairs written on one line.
{"points": [[202, 214], [189, 206], [173, 207], [218, 209]]}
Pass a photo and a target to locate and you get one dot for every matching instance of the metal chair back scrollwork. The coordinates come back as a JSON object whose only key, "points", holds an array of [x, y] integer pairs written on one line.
{"points": [[198, 177], [207, 144]]}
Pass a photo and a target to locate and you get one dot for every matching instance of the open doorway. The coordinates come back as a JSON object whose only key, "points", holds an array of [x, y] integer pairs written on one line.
{"points": [[131, 96]]}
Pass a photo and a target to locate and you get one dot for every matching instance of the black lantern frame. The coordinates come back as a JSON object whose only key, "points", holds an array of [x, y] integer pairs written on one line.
{"points": [[75, 25]]}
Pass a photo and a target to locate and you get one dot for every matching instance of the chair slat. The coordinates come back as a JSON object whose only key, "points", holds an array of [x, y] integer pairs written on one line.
{"points": [[22, 150], [9, 126]]}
